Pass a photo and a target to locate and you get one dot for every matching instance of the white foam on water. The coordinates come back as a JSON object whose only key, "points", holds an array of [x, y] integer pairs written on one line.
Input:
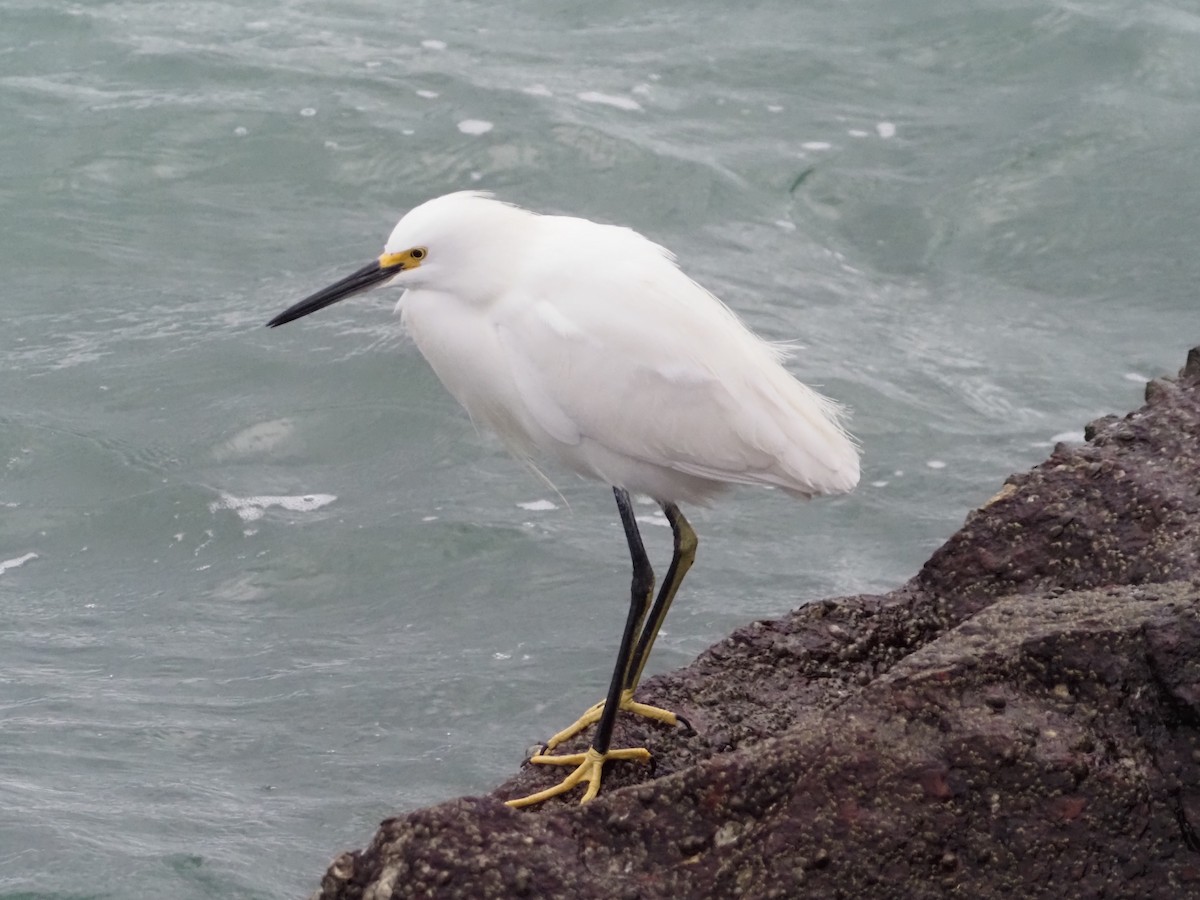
{"points": [[1063, 437], [475, 126], [885, 129], [1070, 437], [935, 464], [658, 519], [19, 561], [816, 145], [428, 95], [433, 45], [609, 100], [251, 509], [538, 505], [537, 90]]}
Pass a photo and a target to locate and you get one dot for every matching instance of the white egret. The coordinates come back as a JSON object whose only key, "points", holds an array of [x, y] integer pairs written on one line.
{"points": [[586, 344]]}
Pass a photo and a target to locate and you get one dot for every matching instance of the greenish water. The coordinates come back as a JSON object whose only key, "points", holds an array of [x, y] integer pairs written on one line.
{"points": [[260, 589]]}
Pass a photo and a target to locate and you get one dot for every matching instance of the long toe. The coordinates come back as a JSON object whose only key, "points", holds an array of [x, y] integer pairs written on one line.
{"points": [[589, 769], [592, 715]]}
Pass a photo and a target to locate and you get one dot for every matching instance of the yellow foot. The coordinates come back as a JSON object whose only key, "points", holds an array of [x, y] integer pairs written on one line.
{"points": [[588, 768], [592, 715]]}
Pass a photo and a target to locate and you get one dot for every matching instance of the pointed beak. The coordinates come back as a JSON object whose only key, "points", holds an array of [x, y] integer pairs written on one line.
{"points": [[367, 277]]}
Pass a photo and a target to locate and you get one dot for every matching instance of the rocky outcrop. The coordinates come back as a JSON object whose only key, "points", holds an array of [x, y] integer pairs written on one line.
{"points": [[1022, 719]]}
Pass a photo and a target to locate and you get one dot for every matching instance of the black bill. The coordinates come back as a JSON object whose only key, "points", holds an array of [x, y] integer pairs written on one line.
{"points": [[366, 277]]}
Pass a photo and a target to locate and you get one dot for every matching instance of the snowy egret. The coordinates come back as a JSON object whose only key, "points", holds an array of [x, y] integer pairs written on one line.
{"points": [[585, 343]]}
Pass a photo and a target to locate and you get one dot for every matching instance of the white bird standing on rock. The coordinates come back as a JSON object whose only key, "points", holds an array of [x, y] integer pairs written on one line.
{"points": [[586, 344]]}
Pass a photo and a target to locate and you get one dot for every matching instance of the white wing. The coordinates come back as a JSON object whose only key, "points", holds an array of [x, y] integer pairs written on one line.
{"points": [[639, 361]]}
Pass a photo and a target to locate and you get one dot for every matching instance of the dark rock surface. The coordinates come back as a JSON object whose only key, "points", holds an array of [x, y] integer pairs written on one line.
{"points": [[1022, 719]]}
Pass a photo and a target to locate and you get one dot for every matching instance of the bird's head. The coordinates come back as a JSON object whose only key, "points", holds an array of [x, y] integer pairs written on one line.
{"points": [[462, 244]]}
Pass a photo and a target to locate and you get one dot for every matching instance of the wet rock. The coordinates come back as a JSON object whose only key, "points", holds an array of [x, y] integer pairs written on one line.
{"points": [[1020, 719]]}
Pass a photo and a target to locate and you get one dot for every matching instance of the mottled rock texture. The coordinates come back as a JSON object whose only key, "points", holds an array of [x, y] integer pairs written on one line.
{"points": [[1022, 719]]}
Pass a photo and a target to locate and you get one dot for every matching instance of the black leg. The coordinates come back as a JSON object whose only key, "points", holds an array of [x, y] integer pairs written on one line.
{"points": [[639, 636], [640, 591], [681, 560]]}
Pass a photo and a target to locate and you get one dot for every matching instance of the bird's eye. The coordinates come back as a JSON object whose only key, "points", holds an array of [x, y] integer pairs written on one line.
{"points": [[417, 252]]}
